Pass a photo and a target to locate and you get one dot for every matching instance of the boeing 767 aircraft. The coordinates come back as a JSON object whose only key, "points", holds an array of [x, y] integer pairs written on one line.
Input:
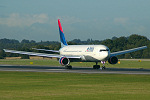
{"points": [[80, 53]]}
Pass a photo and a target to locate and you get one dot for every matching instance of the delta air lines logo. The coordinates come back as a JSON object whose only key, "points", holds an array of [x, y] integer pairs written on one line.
{"points": [[90, 49]]}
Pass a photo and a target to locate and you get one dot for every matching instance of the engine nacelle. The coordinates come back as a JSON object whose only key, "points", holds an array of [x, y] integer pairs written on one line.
{"points": [[113, 60], [64, 61]]}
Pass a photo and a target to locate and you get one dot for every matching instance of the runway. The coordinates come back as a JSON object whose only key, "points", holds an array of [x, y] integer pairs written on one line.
{"points": [[86, 70]]}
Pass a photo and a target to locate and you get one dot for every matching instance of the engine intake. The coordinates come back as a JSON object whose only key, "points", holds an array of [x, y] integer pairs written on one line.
{"points": [[64, 61], [113, 60]]}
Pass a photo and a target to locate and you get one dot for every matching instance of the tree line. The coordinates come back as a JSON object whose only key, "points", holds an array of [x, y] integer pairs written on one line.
{"points": [[114, 44]]}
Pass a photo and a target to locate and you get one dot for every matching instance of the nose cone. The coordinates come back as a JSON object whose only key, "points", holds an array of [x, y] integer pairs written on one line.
{"points": [[105, 55]]}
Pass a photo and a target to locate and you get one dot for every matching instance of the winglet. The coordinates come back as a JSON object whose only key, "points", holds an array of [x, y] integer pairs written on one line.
{"points": [[62, 36]]}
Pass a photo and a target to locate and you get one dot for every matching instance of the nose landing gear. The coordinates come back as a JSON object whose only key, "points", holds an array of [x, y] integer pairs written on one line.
{"points": [[98, 66], [103, 62]]}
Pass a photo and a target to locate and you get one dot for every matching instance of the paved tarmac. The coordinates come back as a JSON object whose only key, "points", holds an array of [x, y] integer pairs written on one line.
{"points": [[74, 70]]}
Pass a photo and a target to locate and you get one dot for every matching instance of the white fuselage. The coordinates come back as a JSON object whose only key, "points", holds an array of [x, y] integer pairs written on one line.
{"points": [[89, 53]]}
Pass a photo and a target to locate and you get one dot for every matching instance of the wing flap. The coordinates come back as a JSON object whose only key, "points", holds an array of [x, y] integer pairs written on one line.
{"points": [[127, 51]]}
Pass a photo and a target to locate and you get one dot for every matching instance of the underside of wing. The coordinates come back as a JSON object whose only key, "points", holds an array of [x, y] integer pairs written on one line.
{"points": [[32, 53], [72, 57], [41, 54], [127, 51], [46, 50]]}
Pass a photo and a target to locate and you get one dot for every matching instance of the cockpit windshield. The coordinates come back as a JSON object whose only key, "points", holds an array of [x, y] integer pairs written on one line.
{"points": [[104, 50]]}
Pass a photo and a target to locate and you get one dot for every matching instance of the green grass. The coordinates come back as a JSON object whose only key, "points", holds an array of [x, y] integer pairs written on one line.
{"points": [[131, 64], [27, 62], [69, 86], [53, 62]]}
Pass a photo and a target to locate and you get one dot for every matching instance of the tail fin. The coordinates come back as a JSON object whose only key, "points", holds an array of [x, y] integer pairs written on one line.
{"points": [[62, 36]]}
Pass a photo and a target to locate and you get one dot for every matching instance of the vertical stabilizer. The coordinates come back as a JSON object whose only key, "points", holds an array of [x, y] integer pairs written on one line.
{"points": [[62, 36]]}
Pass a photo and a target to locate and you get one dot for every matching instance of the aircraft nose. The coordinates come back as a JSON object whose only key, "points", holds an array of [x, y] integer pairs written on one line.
{"points": [[105, 55]]}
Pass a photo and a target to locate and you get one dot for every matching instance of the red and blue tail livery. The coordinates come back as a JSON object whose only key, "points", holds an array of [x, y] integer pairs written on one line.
{"points": [[62, 36]]}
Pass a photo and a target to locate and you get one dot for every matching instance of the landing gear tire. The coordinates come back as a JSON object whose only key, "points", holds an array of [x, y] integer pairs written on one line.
{"points": [[96, 67], [68, 67], [103, 67]]}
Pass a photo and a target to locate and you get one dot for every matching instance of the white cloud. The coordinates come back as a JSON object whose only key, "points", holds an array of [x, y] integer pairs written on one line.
{"points": [[20, 20], [16, 19], [69, 19], [121, 20]]}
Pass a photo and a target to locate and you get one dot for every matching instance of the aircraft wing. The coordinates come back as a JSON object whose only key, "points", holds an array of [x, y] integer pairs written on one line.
{"points": [[127, 51], [40, 54], [46, 50]]}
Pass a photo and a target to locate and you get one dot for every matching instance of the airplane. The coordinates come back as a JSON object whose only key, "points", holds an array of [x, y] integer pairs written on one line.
{"points": [[80, 53]]}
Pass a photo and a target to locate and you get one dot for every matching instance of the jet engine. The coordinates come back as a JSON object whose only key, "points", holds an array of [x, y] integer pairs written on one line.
{"points": [[64, 61], [113, 60]]}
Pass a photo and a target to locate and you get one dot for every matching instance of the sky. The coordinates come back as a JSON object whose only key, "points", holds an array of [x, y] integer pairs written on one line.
{"points": [[80, 19]]}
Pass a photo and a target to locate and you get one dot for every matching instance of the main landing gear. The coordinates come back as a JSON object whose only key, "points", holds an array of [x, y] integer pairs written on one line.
{"points": [[68, 67], [98, 66]]}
